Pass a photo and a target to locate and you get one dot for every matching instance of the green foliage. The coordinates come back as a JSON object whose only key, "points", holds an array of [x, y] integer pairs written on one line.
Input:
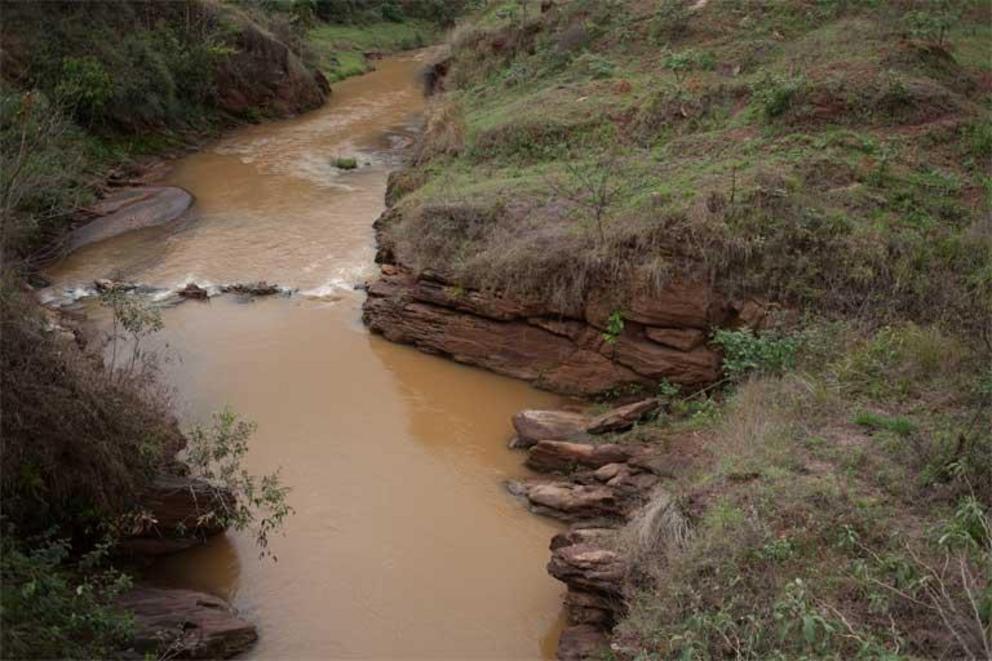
{"points": [[614, 327], [899, 426], [52, 610], [595, 66], [216, 454], [680, 63], [134, 319], [775, 94], [670, 21], [85, 86], [44, 174], [933, 20], [745, 352], [345, 163]]}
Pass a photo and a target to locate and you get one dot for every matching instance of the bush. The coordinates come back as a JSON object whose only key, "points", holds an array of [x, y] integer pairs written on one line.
{"points": [[345, 163], [775, 94], [79, 442], [744, 352], [216, 454], [50, 610]]}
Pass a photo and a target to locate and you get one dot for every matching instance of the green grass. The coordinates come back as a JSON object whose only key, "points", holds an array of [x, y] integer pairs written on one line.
{"points": [[341, 49]]}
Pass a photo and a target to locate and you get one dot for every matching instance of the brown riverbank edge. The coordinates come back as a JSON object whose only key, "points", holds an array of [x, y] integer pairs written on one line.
{"points": [[177, 513], [597, 487]]}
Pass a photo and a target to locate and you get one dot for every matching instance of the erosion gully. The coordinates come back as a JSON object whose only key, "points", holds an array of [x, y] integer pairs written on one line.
{"points": [[404, 543]]}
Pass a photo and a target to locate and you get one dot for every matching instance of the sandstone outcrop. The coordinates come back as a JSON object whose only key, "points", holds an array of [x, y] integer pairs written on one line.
{"points": [[532, 426], [528, 340], [181, 512], [184, 624], [598, 487], [562, 456], [265, 74], [624, 417], [131, 209]]}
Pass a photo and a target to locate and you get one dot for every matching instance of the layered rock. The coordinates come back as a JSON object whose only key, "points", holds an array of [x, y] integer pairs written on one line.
{"points": [[131, 209], [184, 624], [597, 487], [179, 512], [265, 74], [567, 353]]}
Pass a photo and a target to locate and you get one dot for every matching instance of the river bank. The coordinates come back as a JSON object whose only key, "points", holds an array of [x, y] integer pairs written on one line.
{"points": [[396, 468]]}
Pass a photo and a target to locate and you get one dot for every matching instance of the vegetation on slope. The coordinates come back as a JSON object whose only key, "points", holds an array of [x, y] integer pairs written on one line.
{"points": [[816, 153], [836, 509], [832, 158]]}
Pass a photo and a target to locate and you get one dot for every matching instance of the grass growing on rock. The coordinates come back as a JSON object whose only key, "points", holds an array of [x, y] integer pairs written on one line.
{"points": [[823, 154]]}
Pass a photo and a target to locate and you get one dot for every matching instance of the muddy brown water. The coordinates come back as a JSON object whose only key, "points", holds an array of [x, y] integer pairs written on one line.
{"points": [[404, 543]]}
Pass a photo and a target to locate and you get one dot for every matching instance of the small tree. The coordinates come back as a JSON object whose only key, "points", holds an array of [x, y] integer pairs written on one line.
{"points": [[258, 503], [593, 186], [133, 320], [933, 21]]}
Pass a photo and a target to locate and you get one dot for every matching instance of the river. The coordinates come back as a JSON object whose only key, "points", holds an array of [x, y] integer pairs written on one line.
{"points": [[404, 543]]}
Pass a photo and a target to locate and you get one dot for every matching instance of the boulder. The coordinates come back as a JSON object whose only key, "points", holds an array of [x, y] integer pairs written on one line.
{"points": [[194, 291], [260, 288], [568, 501], [563, 456], [534, 425], [576, 535], [624, 417], [580, 642], [181, 512], [185, 624], [590, 568]]}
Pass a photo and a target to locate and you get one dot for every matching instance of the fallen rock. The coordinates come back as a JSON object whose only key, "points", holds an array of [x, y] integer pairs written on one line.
{"points": [[104, 285], [575, 535], [260, 288], [194, 291], [580, 642], [562, 456], [568, 501], [535, 425], [185, 624], [610, 471], [624, 417], [588, 567], [182, 512]]}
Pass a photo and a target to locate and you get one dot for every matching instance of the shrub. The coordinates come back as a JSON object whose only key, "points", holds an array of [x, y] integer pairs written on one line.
{"points": [[745, 352], [670, 21], [775, 94], [343, 163], [79, 443], [932, 22], [50, 610], [85, 86], [216, 454]]}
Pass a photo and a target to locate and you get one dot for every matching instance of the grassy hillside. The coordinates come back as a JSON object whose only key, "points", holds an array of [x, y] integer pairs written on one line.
{"points": [[828, 154], [829, 158]]}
